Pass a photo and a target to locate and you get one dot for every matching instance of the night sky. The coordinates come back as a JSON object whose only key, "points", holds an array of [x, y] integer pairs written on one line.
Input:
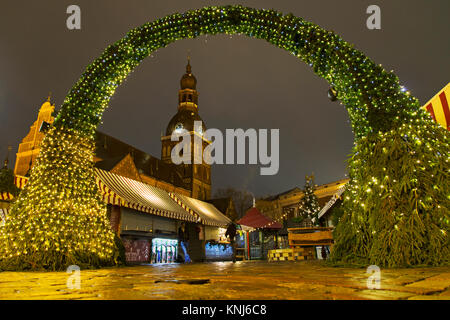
{"points": [[242, 82]]}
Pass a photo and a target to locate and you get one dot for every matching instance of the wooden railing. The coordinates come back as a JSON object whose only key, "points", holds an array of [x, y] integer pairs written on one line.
{"points": [[300, 237]]}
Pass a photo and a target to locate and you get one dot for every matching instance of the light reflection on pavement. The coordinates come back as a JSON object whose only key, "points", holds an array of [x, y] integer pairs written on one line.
{"points": [[252, 280]]}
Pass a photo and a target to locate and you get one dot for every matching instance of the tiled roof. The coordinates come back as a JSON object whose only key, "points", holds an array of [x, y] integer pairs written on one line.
{"points": [[112, 150]]}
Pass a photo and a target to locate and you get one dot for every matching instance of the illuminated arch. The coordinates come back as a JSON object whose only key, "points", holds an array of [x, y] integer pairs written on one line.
{"points": [[362, 86], [62, 183]]}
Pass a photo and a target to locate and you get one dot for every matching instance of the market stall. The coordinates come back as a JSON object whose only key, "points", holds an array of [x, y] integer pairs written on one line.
{"points": [[263, 234]]}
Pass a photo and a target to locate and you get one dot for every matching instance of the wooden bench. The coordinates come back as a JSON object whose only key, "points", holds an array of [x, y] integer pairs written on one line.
{"points": [[310, 237]]}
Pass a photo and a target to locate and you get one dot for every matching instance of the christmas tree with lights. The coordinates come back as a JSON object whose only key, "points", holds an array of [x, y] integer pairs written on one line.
{"points": [[59, 219], [396, 206], [309, 205]]}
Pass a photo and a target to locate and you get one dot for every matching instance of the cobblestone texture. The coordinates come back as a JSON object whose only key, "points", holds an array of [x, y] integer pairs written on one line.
{"points": [[243, 280]]}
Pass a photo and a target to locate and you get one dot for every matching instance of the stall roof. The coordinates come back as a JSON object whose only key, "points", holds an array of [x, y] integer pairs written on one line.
{"points": [[119, 190], [255, 219], [140, 196], [207, 212]]}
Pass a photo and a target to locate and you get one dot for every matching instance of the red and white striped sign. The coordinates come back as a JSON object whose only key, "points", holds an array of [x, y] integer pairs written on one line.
{"points": [[438, 107], [6, 196], [20, 181]]}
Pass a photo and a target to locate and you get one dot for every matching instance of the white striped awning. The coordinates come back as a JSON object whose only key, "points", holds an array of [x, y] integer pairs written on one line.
{"points": [[108, 195], [207, 212], [122, 191], [333, 199], [139, 196]]}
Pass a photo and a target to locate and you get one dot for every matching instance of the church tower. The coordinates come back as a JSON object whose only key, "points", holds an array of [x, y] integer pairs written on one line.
{"points": [[30, 145], [198, 176]]}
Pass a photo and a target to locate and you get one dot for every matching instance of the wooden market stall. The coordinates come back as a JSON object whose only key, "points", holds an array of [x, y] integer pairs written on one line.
{"points": [[263, 237]]}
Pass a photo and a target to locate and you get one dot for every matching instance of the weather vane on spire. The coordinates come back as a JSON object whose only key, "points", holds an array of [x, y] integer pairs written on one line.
{"points": [[188, 66]]}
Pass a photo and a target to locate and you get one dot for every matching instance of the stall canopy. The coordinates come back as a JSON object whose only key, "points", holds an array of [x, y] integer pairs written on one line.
{"points": [[137, 195], [206, 212], [122, 191], [255, 219]]}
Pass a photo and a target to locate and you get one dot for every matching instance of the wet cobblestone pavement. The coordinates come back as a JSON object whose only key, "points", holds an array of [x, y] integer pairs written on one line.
{"points": [[243, 280]]}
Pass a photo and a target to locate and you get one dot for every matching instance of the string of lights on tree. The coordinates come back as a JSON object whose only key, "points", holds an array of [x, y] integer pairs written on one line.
{"points": [[51, 228], [309, 204], [58, 218]]}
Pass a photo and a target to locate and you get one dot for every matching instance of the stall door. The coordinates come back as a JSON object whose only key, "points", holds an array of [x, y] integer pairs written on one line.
{"points": [[255, 245], [196, 242]]}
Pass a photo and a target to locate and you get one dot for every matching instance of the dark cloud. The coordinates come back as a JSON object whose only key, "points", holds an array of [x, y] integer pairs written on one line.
{"points": [[242, 82]]}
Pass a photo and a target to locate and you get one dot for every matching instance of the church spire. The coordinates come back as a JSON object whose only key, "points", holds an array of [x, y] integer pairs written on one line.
{"points": [[188, 66], [188, 95], [188, 81]]}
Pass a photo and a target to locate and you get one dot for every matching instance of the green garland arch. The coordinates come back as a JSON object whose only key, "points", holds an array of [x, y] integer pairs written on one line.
{"points": [[395, 204]]}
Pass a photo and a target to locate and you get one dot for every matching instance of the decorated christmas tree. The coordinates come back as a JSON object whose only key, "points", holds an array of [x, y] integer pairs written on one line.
{"points": [[59, 219], [309, 205], [396, 206]]}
